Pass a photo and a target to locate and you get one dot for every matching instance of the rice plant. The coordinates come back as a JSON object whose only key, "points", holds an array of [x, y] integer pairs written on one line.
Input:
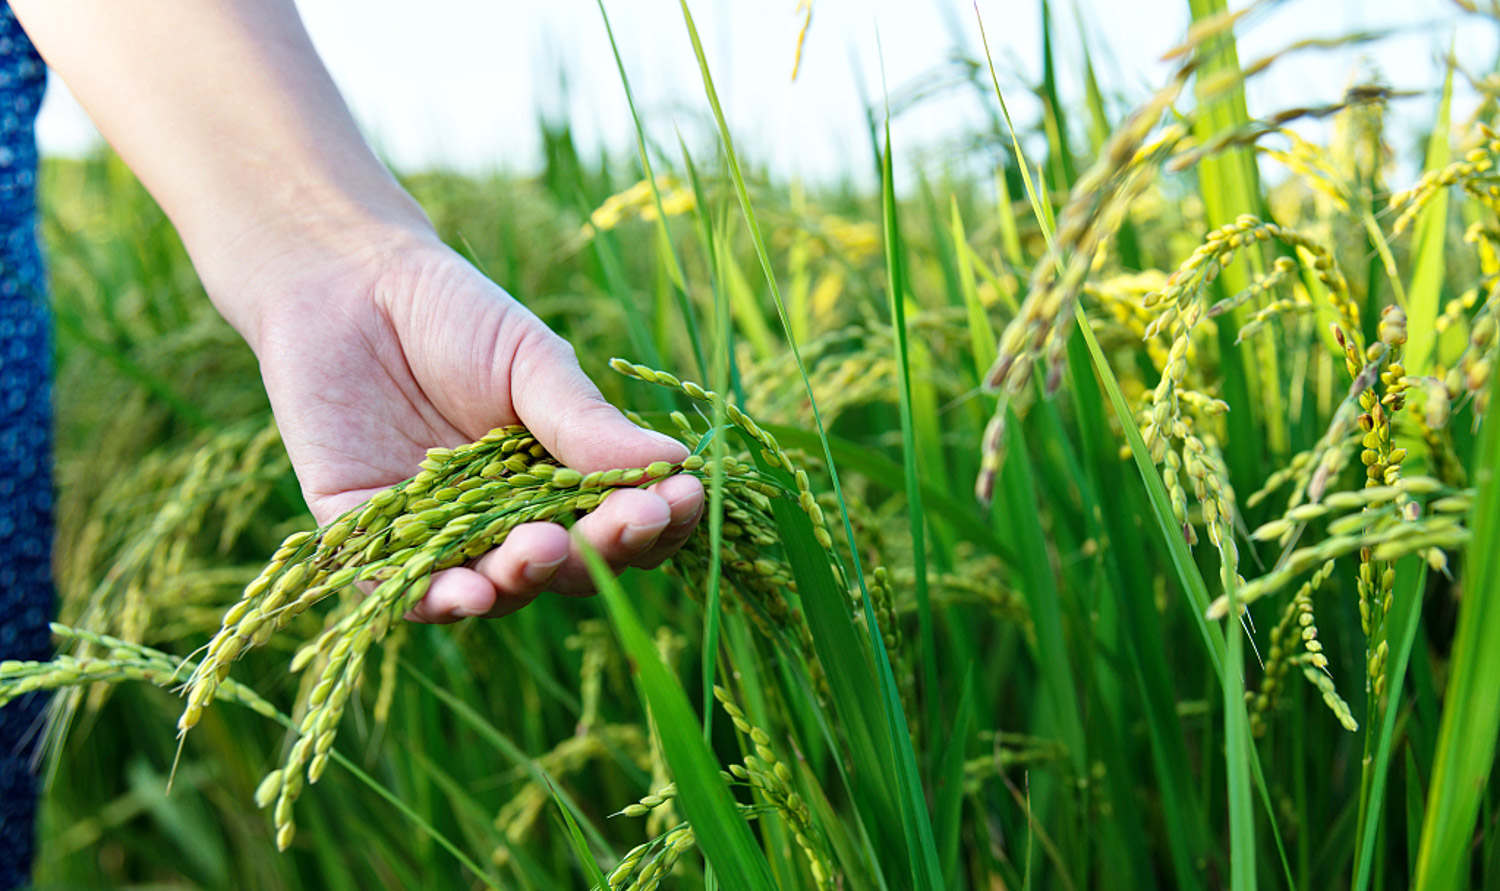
{"points": [[1120, 521]]}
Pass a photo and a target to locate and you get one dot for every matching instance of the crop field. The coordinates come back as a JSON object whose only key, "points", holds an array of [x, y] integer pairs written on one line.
{"points": [[1123, 518]]}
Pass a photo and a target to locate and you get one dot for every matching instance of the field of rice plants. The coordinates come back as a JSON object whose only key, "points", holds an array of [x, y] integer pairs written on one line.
{"points": [[1115, 520]]}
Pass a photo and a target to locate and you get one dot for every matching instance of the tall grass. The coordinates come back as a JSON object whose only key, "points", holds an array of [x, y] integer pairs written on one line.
{"points": [[1213, 521]]}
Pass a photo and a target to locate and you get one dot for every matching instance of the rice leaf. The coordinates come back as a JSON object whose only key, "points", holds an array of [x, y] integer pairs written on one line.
{"points": [[883, 745], [1471, 712], [721, 832], [1145, 648], [576, 841], [1197, 592], [1230, 186], [949, 787], [916, 514], [678, 278], [1406, 613]]}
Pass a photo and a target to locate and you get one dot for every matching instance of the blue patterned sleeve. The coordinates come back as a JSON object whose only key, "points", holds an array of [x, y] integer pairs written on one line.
{"points": [[25, 440]]}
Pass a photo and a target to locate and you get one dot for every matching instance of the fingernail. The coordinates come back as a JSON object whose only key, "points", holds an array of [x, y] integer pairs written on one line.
{"points": [[682, 527], [690, 520], [668, 444], [638, 538], [541, 573]]}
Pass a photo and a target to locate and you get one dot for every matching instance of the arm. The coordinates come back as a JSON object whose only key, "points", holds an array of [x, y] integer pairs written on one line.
{"points": [[375, 341], [225, 112]]}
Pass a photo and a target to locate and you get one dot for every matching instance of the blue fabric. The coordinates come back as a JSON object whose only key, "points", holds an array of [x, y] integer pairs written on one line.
{"points": [[26, 599]]}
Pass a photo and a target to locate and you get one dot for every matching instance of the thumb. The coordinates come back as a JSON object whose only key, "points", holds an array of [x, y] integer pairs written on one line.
{"points": [[565, 411]]}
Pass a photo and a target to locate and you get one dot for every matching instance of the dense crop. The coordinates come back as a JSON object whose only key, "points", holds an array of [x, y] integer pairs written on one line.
{"points": [[1223, 612]]}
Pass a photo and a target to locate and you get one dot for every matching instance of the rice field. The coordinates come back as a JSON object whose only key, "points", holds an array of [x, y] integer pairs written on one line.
{"points": [[1118, 520]]}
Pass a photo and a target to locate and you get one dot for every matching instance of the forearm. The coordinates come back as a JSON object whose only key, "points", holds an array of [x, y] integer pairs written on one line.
{"points": [[225, 112]]}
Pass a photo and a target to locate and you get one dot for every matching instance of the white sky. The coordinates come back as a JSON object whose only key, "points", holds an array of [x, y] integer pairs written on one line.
{"points": [[461, 83]]}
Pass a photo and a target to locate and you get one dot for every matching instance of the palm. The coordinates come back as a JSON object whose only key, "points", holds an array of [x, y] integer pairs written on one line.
{"points": [[367, 369]]}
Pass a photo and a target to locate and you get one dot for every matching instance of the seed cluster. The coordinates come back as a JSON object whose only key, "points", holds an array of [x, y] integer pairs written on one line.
{"points": [[1382, 460], [771, 450], [1368, 518], [1470, 374], [118, 660], [1472, 173], [114, 572], [1097, 207], [462, 503], [770, 776], [1297, 626]]}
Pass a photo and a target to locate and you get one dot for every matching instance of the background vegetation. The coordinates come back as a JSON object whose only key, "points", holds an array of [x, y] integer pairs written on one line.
{"points": [[1188, 305]]}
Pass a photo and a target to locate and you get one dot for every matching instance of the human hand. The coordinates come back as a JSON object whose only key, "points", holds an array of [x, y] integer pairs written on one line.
{"points": [[375, 341], [375, 350]]}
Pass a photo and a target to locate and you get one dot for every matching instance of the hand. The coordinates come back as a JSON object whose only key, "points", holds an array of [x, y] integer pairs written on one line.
{"points": [[377, 349], [375, 341]]}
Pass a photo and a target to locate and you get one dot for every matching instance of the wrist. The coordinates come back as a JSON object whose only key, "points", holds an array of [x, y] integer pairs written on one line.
{"points": [[311, 243]]}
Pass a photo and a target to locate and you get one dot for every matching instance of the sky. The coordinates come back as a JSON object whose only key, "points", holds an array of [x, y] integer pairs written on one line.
{"points": [[462, 83]]}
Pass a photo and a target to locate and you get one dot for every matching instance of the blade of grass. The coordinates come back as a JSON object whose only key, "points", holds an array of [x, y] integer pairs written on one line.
{"points": [[747, 311], [1411, 578], [1019, 507], [1471, 712], [915, 512], [883, 471], [506, 747], [1098, 128], [1227, 660], [981, 334], [845, 655], [414, 817], [721, 832], [1229, 186], [477, 822], [617, 283], [718, 448], [578, 843], [891, 751], [1054, 119], [745, 673], [949, 788], [679, 280], [1228, 665], [1192, 581], [1145, 648]]}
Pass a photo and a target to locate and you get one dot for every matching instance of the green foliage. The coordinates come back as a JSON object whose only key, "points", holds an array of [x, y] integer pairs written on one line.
{"points": [[1062, 689]]}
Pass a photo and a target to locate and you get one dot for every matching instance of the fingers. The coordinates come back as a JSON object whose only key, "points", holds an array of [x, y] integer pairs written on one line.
{"points": [[625, 526], [455, 594], [502, 581], [633, 527], [684, 497]]}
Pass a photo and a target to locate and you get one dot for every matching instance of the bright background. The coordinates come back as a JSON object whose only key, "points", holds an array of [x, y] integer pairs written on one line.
{"points": [[461, 84]]}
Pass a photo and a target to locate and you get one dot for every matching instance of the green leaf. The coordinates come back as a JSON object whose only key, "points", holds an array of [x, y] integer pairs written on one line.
{"points": [[1406, 612], [664, 229], [866, 701], [491, 734], [578, 843], [950, 780], [1471, 711], [1192, 582], [916, 515], [722, 834]]}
